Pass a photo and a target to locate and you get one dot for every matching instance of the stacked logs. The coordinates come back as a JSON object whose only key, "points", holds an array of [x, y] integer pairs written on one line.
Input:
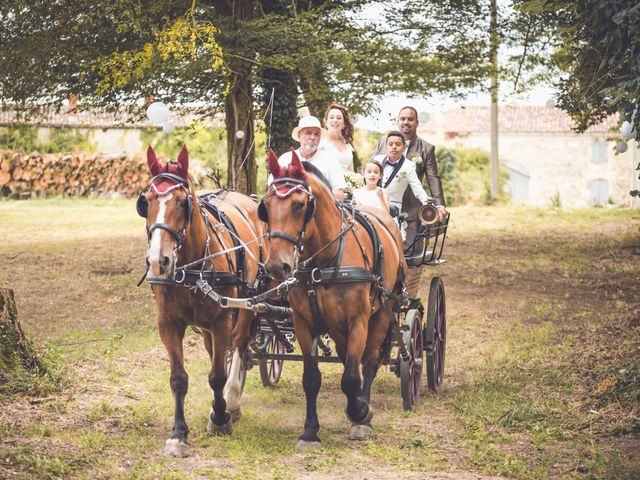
{"points": [[24, 175]]}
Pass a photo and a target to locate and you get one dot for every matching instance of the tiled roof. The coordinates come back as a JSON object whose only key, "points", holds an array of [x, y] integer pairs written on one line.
{"points": [[511, 119], [97, 119]]}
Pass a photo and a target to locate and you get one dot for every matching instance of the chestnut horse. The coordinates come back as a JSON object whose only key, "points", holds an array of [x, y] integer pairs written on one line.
{"points": [[186, 243], [309, 234]]}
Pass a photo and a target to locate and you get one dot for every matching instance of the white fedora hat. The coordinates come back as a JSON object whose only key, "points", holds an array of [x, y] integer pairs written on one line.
{"points": [[307, 122]]}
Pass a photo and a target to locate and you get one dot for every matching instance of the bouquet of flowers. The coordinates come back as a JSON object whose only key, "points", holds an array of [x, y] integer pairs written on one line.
{"points": [[353, 180]]}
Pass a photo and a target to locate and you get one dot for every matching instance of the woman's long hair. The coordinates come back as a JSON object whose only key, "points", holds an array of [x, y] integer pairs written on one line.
{"points": [[347, 130]]}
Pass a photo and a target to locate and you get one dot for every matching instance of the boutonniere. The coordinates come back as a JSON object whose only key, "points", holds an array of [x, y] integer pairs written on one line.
{"points": [[415, 157], [402, 175]]}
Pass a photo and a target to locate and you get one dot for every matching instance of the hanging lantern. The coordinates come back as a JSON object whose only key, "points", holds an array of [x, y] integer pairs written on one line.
{"points": [[621, 146], [158, 112], [626, 130]]}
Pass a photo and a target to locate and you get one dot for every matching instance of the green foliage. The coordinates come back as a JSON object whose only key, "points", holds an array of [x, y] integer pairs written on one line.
{"points": [[556, 201], [61, 140], [205, 144], [465, 176], [597, 47]]}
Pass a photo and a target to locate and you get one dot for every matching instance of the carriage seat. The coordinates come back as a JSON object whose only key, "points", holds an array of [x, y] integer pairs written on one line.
{"points": [[395, 212]]}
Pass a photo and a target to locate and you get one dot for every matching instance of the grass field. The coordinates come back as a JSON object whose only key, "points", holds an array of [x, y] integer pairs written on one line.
{"points": [[542, 377]]}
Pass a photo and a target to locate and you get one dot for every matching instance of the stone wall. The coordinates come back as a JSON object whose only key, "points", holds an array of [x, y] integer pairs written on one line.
{"points": [[562, 165]]}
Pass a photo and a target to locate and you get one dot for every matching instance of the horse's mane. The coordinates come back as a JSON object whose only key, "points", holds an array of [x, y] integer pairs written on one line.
{"points": [[310, 168]]}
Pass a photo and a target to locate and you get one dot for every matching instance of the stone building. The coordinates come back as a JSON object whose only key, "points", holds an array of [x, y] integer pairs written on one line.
{"points": [[546, 160], [111, 133]]}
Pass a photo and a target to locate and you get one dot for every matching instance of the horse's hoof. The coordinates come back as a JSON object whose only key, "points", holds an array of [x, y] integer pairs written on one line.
{"points": [[235, 415], [219, 430], [304, 446], [365, 421], [360, 432], [174, 447]]}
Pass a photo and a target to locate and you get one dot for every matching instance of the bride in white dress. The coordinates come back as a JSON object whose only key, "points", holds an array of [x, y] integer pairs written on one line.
{"points": [[338, 141]]}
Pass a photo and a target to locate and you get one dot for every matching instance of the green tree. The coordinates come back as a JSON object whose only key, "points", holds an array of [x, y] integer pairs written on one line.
{"points": [[597, 49], [215, 55]]}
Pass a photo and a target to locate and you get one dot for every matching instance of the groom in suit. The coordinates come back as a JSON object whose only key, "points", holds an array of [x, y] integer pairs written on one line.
{"points": [[399, 176], [423, 153]]}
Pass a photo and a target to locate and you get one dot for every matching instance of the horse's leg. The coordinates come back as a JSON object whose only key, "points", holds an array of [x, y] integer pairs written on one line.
{"points": [[172, 334], [207, 338], [219, 420], [358, 409], [311, 381], [378, 326], [233, 387]]}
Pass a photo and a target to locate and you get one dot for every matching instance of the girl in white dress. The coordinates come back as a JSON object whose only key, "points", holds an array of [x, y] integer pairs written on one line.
{"points": [[372, 193], [339, 138]]}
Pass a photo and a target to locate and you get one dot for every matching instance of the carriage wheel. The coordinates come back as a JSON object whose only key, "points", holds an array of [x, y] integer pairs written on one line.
{"points": [[243, 367], [270, 368], [411, 370], [435, 334]]}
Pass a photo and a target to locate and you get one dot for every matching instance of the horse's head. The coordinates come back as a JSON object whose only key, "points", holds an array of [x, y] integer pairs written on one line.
{"points": [[287, 208], [166, 203]]}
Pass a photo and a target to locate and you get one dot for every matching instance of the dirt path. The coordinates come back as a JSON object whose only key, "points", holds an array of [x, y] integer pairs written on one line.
{"points": [[504, 293]]}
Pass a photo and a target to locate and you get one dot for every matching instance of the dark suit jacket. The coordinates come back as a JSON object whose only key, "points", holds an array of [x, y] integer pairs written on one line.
{"points": [[428, 167]]}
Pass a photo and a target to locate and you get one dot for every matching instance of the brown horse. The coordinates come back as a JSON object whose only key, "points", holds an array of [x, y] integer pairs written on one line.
{"points": [[309, 235], [187, 243]]}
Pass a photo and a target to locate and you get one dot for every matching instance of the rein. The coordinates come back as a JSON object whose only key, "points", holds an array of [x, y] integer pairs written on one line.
{"points": [[183, 274]]}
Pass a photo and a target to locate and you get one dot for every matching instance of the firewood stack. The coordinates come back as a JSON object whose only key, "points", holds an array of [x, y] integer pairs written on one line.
{"points": [[25, 175]]}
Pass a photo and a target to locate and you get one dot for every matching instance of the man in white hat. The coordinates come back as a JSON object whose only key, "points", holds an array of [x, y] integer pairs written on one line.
{"points": [[308, 134]]}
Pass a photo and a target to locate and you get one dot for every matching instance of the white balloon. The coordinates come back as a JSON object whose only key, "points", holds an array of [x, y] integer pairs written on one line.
{"points": [[621, 146], [158, 112], [423, 117], [168, 127], [626, 130], [239, 134]]}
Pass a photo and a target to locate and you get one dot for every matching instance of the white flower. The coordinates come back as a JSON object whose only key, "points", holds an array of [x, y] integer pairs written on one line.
{"points": [[353, 180], [415, 157]]}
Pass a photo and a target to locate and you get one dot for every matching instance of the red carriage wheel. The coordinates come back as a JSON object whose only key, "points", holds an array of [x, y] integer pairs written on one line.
{"points": [[411, 370], [271, 368], [435, 334]]}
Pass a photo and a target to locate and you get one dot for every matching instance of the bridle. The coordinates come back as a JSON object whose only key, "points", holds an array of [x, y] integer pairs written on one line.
{"points": [[279, 188], [142, 207]]}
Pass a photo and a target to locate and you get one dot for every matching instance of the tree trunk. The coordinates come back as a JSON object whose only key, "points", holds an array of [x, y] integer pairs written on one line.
{"points": [[16, 352], [241, 161], [317, 95], [495, 163], [285, 111], [241, 166]]}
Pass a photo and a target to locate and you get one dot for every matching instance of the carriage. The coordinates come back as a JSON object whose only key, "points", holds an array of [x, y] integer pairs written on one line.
{"points": [[414, 343], [342, 269]]}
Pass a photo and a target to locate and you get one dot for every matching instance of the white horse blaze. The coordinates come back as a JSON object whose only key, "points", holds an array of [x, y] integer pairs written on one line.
{"points": [[232, 389], [156, 240]]}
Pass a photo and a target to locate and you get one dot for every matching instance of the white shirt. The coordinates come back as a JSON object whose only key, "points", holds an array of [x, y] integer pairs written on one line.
{"points": [[328, 166], [406, 177]]}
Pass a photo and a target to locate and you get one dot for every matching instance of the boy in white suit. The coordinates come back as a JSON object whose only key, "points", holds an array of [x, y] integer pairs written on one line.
{"points": [[400, 173]]}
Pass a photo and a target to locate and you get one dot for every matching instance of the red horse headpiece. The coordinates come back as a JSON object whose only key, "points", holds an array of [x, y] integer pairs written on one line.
{"points": [[164, 186], [295, 171]]}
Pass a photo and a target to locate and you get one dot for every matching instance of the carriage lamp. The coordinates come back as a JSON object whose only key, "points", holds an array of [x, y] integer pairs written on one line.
{"points": [[428, 214]]}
